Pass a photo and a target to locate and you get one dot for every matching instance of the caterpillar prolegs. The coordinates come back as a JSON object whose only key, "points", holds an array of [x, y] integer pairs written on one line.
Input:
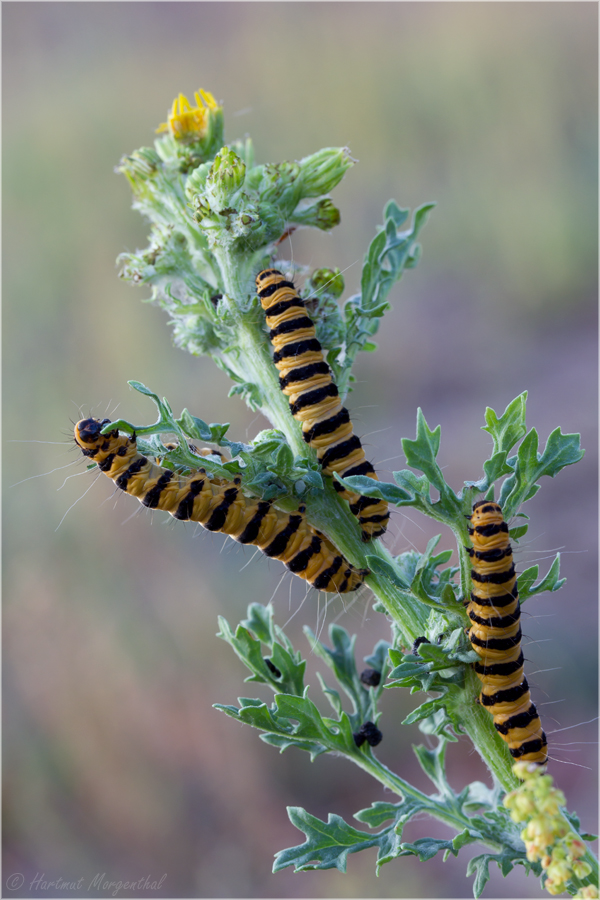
{"points": [[495, 636], [305, 378], [220, 505]]}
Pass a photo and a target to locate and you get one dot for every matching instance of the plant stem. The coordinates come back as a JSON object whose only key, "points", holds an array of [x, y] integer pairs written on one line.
{"points": [[438, 810]]}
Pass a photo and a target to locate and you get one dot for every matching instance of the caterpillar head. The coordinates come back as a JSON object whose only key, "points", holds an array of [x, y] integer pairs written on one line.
{"points": [[87, 432], [486, 511]]}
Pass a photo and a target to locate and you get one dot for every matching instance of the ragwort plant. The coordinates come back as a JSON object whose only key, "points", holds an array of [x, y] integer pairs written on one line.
{"points": [[216, 219]]}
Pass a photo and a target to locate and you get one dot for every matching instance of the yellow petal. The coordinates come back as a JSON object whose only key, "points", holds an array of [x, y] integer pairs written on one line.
{"points": [[208, 99]]}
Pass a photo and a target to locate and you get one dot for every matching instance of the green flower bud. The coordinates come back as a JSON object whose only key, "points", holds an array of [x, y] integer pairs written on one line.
{"points": [[225, 179], [323, 215], [280, 185], [581, 869], [323, 170], [201, 208], [525, 771], [588, 892], [558, 870], [329, 281], [554, 886], [575, 846], [139, 167], [196, 181]]}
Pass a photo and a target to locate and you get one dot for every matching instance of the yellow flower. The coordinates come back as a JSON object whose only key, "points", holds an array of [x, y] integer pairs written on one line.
{"points": [[190, 123]]}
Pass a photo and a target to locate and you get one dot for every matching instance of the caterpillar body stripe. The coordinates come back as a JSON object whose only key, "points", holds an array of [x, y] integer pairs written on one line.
{"points": [[305, 378], [219, 505], [495, 636]]}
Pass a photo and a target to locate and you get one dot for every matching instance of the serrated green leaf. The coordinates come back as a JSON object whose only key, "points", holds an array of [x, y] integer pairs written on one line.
{"points": [[421, 453], [442, 724], [284, 743], [433, 764], [260, 621], [142, 389], [382, 490], [493, 468], [551, 582], [462, 839], [194, 427], [284, 458], [249, 650], [561, 450], [479, 794], [510, 427], [379, 659], [340, 658], [424, 711], [574, 819], [400, 813], [328, 844], [426, 848], [411, 483], [480, 866], [332, 695]]}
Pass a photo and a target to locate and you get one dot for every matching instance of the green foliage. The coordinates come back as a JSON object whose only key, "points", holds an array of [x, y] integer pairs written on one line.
{"points": [[523, 472], [391, 252], [216, 219], [212, 211], [293, 720], [268, 466], [475, 813]]}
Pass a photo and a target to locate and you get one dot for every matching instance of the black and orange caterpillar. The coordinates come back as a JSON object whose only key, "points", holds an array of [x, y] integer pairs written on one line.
{"points": [[219, 505], [305, 378], [495, 636]]}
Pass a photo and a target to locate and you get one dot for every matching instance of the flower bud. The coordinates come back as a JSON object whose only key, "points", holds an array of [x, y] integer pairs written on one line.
{"points": [[580, 868], [196, 181], [554, 887], [323, 170], [323, 215], [139, 167], [279, 185], [525, 805], [525, 770], [559, 870], [576, 848], [588, 892], [225, 178], [329, 281]]}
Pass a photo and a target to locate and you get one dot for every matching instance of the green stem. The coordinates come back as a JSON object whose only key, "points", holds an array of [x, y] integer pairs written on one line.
{"points": [[402, 788], [477, 721], [253, 361]]}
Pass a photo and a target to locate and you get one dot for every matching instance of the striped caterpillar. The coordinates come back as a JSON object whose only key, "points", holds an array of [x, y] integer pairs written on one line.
{"points": [[495, 636], [220, 505], [305, 378]]}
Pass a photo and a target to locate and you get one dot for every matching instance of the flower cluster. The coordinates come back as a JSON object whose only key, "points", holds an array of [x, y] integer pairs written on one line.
{"points": [[547, 836]]}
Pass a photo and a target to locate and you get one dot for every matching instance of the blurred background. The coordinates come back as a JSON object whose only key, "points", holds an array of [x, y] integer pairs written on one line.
{"points": [[116, 765]]}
